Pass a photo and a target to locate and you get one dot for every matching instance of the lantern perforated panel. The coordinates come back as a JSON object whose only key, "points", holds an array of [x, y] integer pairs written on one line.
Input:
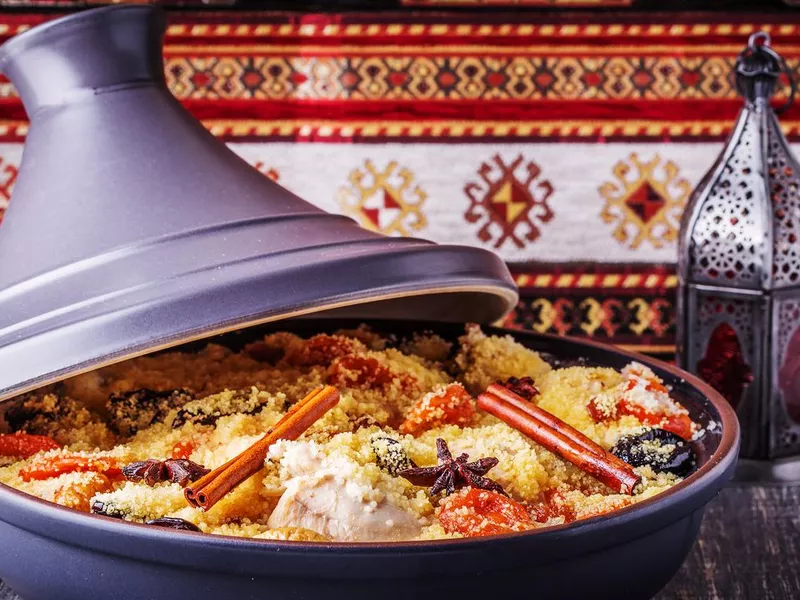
{"points": [[728, 239], [785, 200], [726, 345], [787, 424]]}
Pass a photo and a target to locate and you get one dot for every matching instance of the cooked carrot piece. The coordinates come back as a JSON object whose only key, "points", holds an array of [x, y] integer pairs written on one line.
{"points": [[450, 406], [322, 350], [475, 512], [48, 467], [183, 449], [24, 445], [79, 495], [681, 425], [360, 371]]}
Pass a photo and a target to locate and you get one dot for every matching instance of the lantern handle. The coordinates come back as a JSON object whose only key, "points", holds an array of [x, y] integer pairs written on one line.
{"points": [[760, 41]]}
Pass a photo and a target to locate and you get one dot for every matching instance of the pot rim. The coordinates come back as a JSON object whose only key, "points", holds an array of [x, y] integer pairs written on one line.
{"points": [[715, 471]]}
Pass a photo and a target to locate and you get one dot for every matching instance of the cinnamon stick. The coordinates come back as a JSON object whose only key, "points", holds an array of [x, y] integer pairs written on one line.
{"points": [[210, 489], [560, 438]]}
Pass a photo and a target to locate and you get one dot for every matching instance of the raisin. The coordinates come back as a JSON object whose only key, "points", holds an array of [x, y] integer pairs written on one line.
{"points": [[663, 451]]}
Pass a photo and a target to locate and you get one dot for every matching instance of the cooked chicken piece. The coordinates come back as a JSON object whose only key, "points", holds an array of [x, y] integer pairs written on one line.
{"points": [[324, 505]]}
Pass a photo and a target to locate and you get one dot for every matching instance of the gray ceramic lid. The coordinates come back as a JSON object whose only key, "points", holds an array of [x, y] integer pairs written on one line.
{"points": [[133, 229]]}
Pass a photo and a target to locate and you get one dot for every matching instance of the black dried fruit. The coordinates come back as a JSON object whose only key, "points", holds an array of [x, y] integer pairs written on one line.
{"points": [[101, 508], [390, 455], [524, 387], [178, 470], [662, 450], [173, 523], [130, 412]]}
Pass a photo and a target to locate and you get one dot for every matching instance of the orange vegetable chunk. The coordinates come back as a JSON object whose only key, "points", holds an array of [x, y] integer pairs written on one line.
{"points": [[450, 406], [48, 467], [473, 512], [24, 445]]}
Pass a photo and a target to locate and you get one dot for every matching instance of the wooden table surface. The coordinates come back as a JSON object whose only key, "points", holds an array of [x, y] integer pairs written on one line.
{"points": [[749, 548]]}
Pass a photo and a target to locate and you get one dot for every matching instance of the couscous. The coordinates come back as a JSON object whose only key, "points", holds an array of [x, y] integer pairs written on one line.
{"points": [[406, 452]]}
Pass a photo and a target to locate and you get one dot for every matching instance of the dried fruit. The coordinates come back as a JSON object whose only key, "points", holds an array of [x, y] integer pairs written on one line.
{"points": [[173, 523], [451, 405], [453, 473], [181, 471], [130, 412], [107, 510], [524, 388], [24, 445], [48, 467], [390, 455], [480, 512], [662, 450]]}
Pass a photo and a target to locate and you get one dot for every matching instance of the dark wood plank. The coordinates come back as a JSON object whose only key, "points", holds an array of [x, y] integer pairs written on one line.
{"points": [[749, 548]]}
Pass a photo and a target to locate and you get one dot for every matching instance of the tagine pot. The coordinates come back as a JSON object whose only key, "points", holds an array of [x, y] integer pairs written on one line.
{"points": [[131, 228]]}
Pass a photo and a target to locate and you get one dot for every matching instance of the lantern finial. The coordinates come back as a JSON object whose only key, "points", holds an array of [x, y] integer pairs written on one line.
{"points": [[758, 68]]}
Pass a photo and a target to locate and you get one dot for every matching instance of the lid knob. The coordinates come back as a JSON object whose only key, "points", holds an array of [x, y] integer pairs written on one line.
{"points": [[84, 54]]}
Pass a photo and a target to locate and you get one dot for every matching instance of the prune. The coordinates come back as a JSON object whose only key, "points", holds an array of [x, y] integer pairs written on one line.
{"points": [[662, 450], [390, 455], [107, 510], [173, 523], [130, 412]]}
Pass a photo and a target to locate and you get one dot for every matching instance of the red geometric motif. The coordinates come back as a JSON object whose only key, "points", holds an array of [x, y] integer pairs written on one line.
{"points": [[723, 366], [506, 206], [645, 202], [8, 176], [789, 377]]}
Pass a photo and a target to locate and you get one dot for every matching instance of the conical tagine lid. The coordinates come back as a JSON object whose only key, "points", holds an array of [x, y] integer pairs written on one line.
{"points": [[132, 229]]}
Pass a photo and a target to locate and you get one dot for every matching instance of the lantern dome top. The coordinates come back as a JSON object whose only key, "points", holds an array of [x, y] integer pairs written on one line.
{"points": [[758, 68], [741, 227]]}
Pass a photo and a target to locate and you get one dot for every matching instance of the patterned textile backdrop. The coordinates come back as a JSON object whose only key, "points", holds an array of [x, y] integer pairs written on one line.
{"points": [[567, 145]]}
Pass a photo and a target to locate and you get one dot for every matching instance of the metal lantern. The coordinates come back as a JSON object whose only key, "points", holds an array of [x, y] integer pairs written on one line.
{"points": [[739, 266]]}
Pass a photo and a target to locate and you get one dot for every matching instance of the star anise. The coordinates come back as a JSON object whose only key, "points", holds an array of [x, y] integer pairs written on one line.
{"points": [[523, 388], [453, 473], [151, 472]]}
